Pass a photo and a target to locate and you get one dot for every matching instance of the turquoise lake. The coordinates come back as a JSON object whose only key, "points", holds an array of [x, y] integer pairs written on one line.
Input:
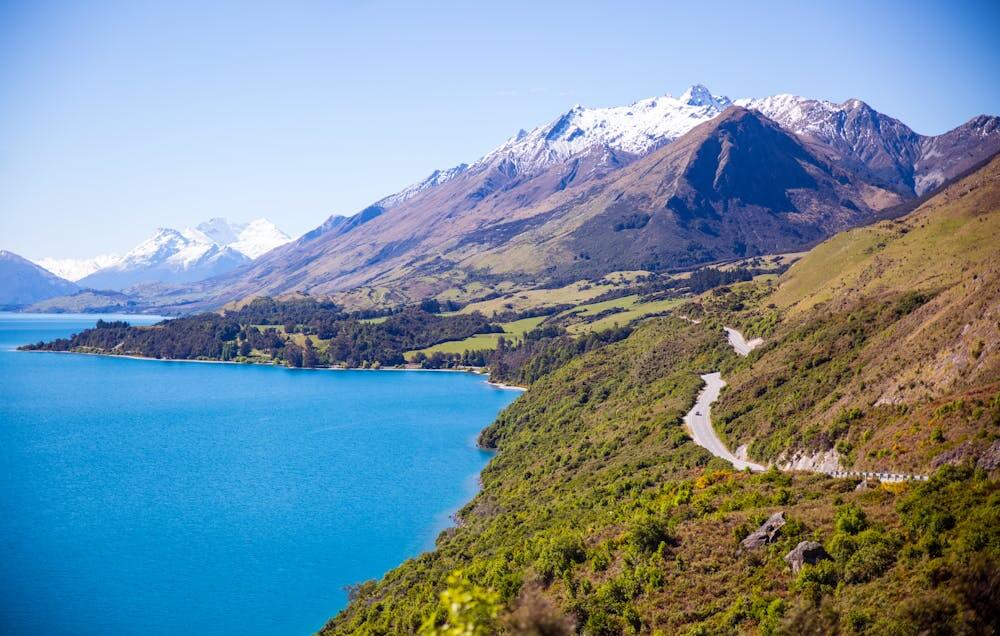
{"points": [[154, 497]]}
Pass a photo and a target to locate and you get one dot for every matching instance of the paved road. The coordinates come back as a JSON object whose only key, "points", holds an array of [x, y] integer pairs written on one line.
{"points": [[699, 423], [741, 344]]}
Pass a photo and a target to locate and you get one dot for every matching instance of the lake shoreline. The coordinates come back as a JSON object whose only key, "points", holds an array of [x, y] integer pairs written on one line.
{"points": [[472, 370]]}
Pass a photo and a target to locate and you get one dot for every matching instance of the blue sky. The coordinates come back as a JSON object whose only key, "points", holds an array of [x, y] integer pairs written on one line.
{"points": [[118, 117]]}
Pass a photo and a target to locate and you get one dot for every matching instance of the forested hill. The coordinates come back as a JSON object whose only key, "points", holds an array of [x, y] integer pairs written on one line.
{"points": [[298, 333]]}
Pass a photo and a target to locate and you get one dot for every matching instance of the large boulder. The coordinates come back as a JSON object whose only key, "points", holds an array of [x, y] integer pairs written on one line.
{"points": [[806, 552], [765, 534]]}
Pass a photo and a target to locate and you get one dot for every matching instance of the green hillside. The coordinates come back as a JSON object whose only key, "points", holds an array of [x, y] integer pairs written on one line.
{"points": [[889, 349], [599, 516]]}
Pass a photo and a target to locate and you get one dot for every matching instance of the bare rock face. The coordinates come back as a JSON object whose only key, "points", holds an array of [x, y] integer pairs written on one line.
{"points": [[990, 459], [806, 552], [765, 534]]}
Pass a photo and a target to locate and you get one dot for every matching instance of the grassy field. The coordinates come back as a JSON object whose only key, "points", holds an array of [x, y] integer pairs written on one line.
{"points": [[483, 341], [574, 294], [633, 311], [592, 309]]}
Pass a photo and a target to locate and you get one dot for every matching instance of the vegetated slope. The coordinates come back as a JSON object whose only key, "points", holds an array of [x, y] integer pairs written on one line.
{"points": [[22, 282], [599, 516], [889, 348]]}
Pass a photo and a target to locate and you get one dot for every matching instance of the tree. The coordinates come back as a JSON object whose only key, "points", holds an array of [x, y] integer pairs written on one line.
{"points": [[309, 354]]}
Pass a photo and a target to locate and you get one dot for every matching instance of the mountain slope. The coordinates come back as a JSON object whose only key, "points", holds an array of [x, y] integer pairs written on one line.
{"points": [[22, 282], [516, 216], [735, 186]]}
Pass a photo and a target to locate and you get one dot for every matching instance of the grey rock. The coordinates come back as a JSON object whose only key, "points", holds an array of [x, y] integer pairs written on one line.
{"points": [[806, 552], [765, 534]]}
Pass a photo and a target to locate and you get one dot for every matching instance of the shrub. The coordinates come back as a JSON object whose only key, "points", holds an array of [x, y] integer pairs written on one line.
{"points": [[648, 533], [875, 553], [467, 610], [558, 556], [816, 581], [850, 519]]}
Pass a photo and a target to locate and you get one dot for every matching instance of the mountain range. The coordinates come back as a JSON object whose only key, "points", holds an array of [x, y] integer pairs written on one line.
{"points": [[212, 248], [664, 183]]}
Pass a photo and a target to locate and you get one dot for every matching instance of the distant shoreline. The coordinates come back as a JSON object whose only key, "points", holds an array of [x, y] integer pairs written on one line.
{"points": [[472, 370]]}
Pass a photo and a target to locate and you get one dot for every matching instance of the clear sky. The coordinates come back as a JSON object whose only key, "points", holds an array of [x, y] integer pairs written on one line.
{"points": [[119, 117]]}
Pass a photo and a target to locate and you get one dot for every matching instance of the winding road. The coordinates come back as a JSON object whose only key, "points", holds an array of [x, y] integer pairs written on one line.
{"points": [[699, 421], [741, 344]]}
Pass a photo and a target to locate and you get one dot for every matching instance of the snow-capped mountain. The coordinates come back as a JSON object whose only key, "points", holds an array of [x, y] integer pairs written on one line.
{"points": [[251, 239], [76, 268], [633, 130], [605, 139], [181, 256], [890, 150], [454, 218]]}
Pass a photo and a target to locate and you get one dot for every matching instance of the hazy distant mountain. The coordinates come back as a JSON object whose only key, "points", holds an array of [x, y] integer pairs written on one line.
{"points": [[171, 256], [22, 282], [76, 268]]}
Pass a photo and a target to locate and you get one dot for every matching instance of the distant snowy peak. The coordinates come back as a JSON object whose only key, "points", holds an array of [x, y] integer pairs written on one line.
{"points": [[221, 231], [76, 268], [634, 129], [184, 248], [174, 256], [258, 237], [251, 239]]}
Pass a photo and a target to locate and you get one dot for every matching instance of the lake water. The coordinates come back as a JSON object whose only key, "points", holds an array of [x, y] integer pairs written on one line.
{"points": [[152, 497]]}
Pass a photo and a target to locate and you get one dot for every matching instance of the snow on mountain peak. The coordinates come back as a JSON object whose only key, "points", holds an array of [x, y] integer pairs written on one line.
{"points": [[699, 95], [220, 230], [213, 241], [258, 237], [633, 129], [435, 178], [76, 268]]}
